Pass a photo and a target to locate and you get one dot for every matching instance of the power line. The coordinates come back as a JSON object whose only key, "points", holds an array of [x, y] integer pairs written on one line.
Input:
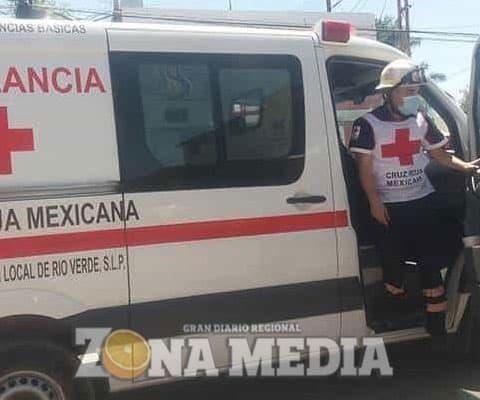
{"points": [[102, 17], [356, 5], [456, 27], [180, 19], [436, 39], [83, 10], [457, 37], [337, 4], [423, 32], [213, 21], [63, 10], [362, 6]]}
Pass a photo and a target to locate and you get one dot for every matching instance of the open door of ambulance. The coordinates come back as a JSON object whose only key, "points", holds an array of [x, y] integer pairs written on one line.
{"points": [[467, 335], [472, 225], [473, 199], [463, 279]]}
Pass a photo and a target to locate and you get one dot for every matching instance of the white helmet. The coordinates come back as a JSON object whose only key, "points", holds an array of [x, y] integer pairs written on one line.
{"points": [[401, 72]]}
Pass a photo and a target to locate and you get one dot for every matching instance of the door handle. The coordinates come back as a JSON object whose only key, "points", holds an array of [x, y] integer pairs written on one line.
{"points": [[306, 200]]}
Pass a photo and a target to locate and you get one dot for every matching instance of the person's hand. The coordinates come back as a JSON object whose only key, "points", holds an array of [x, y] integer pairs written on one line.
{"points": [[473, 166], [380, 212]]}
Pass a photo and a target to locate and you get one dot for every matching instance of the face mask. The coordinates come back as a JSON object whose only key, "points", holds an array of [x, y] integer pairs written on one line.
{"points": [[411, 105]]}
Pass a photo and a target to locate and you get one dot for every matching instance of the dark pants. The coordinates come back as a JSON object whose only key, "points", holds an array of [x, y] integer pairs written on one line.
{"points": [[420, 231]]}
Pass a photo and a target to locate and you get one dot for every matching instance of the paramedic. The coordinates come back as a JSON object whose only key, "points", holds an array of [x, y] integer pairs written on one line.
{"points": [[391, 144]]}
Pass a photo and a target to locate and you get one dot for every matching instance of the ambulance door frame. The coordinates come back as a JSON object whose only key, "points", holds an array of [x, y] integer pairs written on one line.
{"points": [[474, 125], [433, 100]]}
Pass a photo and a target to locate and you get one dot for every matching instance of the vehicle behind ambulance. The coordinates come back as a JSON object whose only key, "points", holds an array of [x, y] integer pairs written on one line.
{"points": [[156, 180]]}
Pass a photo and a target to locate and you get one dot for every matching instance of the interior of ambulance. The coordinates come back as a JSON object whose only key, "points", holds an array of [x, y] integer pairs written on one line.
{"points": [[353, 83]]}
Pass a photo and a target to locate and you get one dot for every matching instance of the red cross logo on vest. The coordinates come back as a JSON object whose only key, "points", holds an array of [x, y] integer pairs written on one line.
{"points": [[403, 148], [12, 140]]}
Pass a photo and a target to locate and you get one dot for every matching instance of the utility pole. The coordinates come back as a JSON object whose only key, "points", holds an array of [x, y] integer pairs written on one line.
{"points": [[26, 9], [23, 9], [117, 11], [404, 25], [329, 5], [407, 26]]}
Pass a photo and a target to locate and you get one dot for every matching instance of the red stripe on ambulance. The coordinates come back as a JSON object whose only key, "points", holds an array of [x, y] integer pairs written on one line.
{"points": [[61, 243], [176, 233], [235, 228]]}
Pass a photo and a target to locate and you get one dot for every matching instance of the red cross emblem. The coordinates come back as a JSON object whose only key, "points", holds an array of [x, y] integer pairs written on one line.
{"points": [[12, 140], [403, 148]]}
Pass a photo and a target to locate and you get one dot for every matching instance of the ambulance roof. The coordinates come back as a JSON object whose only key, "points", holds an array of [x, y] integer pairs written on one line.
{"points": [[363, 48], [306, 19], [357, 47], [216, 28]]}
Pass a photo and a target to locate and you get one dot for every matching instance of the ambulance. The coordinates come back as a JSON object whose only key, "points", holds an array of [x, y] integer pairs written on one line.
{"points": [[159, 177]]}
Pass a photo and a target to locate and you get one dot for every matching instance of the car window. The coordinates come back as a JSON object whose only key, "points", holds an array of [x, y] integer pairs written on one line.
{"points": [[194, 121]]}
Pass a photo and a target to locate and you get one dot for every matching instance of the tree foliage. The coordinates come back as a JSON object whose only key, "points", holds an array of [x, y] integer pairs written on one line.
{"points": [[387, 32], [438, 77]]}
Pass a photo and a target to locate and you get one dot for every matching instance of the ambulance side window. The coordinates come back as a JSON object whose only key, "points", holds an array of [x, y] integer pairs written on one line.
{"points": [[257, 113], [177, 113], [196, 121]]}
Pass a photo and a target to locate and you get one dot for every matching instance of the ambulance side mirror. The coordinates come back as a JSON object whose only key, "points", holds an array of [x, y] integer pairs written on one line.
{"points": [[246, 112]]}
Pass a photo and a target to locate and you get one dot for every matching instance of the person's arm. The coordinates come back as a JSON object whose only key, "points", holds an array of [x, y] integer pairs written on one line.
{"points": [[451, 161], [369, 185], [361, 144], [434, 142]]}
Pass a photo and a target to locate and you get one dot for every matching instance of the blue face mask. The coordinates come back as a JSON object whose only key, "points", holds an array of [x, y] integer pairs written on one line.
{"points": [[411, 105]]}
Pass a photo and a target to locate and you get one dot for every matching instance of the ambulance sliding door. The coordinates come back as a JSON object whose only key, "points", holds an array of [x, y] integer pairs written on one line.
{"points": [[231, 179]]}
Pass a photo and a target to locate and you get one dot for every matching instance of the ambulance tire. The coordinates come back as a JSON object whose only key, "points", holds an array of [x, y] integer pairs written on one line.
{"points": [[41, 370]]}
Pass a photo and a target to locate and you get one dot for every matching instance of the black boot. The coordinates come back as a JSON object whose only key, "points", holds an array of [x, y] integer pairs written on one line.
{"points": [[435, 326], [435, 323]]}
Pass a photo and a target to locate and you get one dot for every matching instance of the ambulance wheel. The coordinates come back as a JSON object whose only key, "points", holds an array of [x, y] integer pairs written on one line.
{"points": [[40, 371]]}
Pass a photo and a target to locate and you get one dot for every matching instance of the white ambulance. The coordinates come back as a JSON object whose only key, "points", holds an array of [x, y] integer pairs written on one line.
{"points": [[158, 177]]}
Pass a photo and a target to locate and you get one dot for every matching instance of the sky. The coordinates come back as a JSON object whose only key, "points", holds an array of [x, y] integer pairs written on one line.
{"points": [[451, 58]]}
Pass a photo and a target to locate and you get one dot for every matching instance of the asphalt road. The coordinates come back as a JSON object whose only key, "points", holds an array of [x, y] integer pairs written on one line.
{"points": [[416, 376]]}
